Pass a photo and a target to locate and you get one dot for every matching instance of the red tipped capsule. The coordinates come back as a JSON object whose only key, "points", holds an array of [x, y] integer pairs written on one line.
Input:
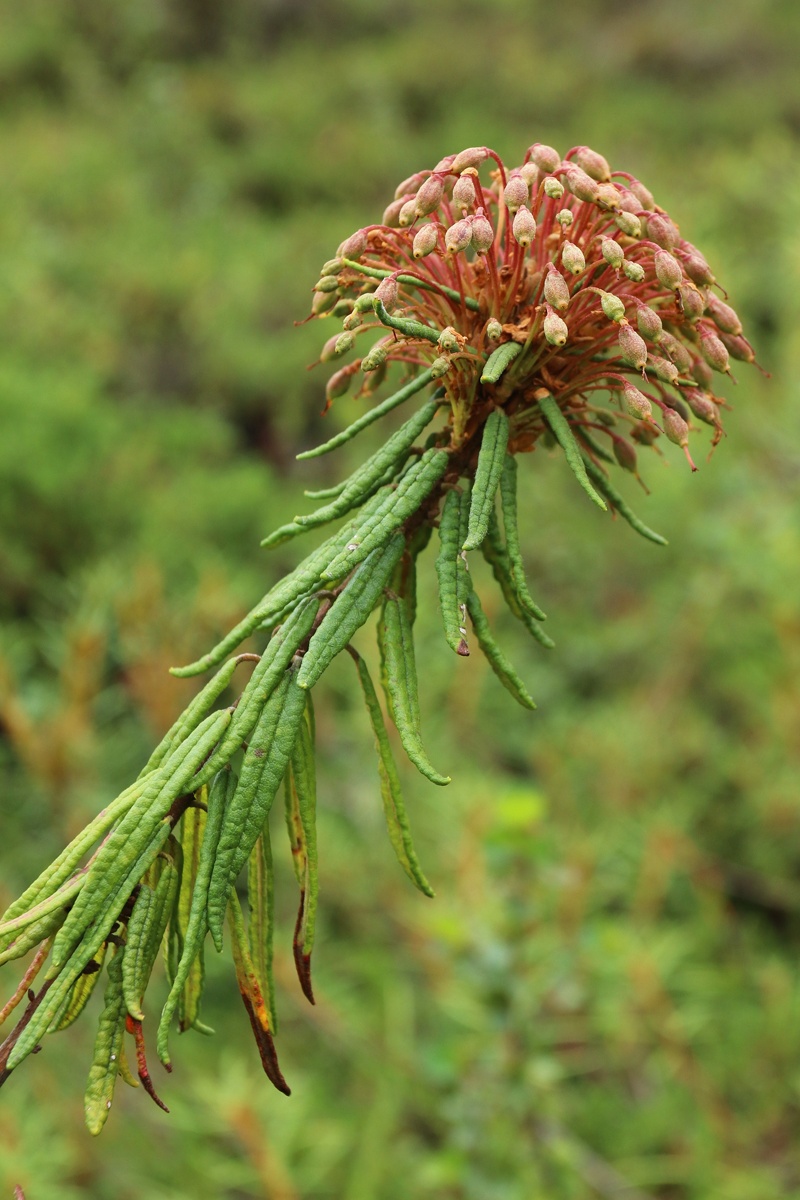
{"points": [[643, 194], [572, 258], [726, 318], [713, 350], [662, 368], [662, 231], [464, 191], [592, 163], [386, 292], [580, 184], [738, 347], [696, 266], [429, 196], [677, 431], [409, 186], [636, 403], [701, 405], [676, 350], [354, 246], [691, 301], [391, 214]]}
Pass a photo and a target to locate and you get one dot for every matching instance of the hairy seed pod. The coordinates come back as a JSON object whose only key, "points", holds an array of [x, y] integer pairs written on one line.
{"points": [[354, 246], [494, 329], [634, 271], [701, 405], [668, 269], [592, 163], [737, 347], [426, 240], [555, 329], [375, 357], [713, 350], [556, 290], [625, 454], [662, 368], [440, 366], [628, 223], [696, 266], [628, 202], [636, 403], [608, 197], [515, 193], [612, 252], [565, 217], [582, 186], [458, 236], [572, 258], [391, 214], [524, 228], [530, 173], [725, 318], [677, 352], [386, 292], [338, 384], [632, 346], [612, 306], [471, 157], [648, 322], [482, 233], [553, 188], [464, 191], [408, 213], [662, 231], [644, 194], [546, 158], [691, 301], [675, 427], [429, 196]]}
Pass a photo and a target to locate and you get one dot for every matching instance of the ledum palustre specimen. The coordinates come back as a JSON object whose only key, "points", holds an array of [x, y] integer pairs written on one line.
{"points": [[551, 306]]}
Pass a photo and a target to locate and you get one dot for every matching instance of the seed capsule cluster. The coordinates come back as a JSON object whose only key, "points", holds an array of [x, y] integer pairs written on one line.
{"points": [[553, 304]]}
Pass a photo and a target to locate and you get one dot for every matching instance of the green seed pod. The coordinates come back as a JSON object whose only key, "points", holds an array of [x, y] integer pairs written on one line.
{"points": [[634, 271], [524, 227], [376, 357], [426, 239], [449, 341], [354, 246], [429, 196], [636, 403], [726, 318], [612, 252], [322, 303], [546, 158], [440, 366], [458, 236], [553, 188], [648, 322], [663, 369], [515, 193], [668, 269], [608, 197], [332, 267], [352, 321], [629, 223], [612, 306], [565, 218], [713, 350], [632, 346], [592, 163], [662, 231], [464, 191], [471, 157], [555, 329], [691, 301], [344, 342], [328, 283], [364, 303], [582, 186], [494, 329], [556, 290], [483, 233], [572, 258]]}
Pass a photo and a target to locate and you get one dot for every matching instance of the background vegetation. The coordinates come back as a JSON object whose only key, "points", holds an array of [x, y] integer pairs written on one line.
{"points": [[603, 997]]}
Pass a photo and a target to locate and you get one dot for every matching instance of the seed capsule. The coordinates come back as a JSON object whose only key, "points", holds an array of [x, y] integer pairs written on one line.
{"points": [[553, 188], [702, 373], [328, 351], [625, 454], [662, 231], [440, 366], [322, 303], [354, 246], [328, 283], [482, 233], [429, 196], [332, 267], [612, 306], [515, 193], [386, 292], [545, 157], [556, 289], [426, 239], [470, 157], [555, 330], [607, 196], [565, 218], [524, 227], [338, 384], [668, 269], [612, 252], [662, 368], [696, 266], [530, 173], [449, 341], [352, 320], [572, 258], [633, 348], [713, 350], [344, 343], [642, 193], [375, 357], [636, 403], [628, 202], [458, 236], [726, 318], [701, 405], [592, 163], [738, 347], [409, 186], [494, 329], [464, 191], [634, 271], [580, 184], [676, 429], [677, 352], [691, 301], [648, 322], [391, 214], [408, 213], [628, 223]]}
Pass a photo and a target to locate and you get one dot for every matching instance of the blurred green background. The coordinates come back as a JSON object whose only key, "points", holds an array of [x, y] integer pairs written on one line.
{"points": [[602, 1000]]}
